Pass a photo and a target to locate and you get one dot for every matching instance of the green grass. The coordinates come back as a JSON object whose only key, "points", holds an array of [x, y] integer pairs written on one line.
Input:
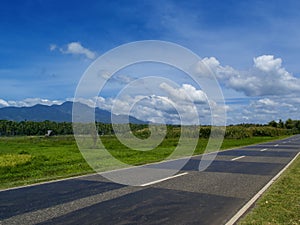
{"points": [[47, 158], [164, 150], [26, 160], [234, 143], [281, 203], [11, 160]]}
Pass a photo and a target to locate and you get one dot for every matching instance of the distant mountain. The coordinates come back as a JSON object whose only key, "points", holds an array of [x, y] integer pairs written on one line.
{"points": [[62, 113]]}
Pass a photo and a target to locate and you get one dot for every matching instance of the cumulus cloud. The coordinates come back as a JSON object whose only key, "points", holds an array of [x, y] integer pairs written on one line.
{"points": [[168, 104], [156, 109], [29, 102], [3, 103], [267, 77], [74, 48], [267, 63], [264, 110], [174, 105], [77, 49], [186, 92], [207, 67]]}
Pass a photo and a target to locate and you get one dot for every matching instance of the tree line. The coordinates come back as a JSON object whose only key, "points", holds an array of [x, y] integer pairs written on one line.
{"points": [[31, 128]]}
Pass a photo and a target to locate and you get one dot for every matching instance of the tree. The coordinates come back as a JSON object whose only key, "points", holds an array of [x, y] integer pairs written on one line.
{"points": [[280, 124], [272, 123], [289, 124]]}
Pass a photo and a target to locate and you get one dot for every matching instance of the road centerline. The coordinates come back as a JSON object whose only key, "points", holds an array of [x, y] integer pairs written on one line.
{"points": [[240, 157], [164, 179]]}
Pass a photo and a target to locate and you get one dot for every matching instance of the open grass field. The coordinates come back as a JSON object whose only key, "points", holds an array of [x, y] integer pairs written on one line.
{"points": [[26, 160], [280, 205]]}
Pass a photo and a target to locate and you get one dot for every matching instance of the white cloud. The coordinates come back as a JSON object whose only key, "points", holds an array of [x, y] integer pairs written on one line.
{"points": [[52, 47], [122, 78], [29, 102], [3, 103], [206, 66], [77, 49], [186, 93], [267, 63], [267, 102], [267, 77], [264, 110], [154, 108], [184, 104], [267, 108]]}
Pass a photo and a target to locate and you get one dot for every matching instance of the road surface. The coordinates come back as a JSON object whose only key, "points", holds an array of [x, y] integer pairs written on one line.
{"points": [[212, 196]]}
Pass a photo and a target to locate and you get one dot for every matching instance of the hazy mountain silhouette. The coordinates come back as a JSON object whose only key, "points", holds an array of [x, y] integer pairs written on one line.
{"points": [[61, 113]]}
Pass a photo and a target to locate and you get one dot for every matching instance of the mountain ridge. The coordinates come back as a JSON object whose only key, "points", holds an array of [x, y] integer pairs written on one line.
{"points": [[62, 113]]}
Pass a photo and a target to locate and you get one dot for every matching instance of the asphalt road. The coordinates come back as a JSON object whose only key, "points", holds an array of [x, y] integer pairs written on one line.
{"points": [[212, 196]]}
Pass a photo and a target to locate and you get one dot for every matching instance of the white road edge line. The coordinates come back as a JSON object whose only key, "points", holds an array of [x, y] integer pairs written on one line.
{"points": [[264, 149], [167, 178], [241, 212], [238, 158]]}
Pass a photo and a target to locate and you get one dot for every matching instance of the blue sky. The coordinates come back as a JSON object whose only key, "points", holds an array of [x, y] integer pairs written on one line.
{"points": [[47, 45]]}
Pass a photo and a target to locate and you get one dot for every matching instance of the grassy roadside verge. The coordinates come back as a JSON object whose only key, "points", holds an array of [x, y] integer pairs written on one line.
{"points": [[26, 160], [281, 203]]}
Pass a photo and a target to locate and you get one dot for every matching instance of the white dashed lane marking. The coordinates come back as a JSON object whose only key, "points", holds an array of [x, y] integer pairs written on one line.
{"points": [[168, 178], [240, 157]]}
